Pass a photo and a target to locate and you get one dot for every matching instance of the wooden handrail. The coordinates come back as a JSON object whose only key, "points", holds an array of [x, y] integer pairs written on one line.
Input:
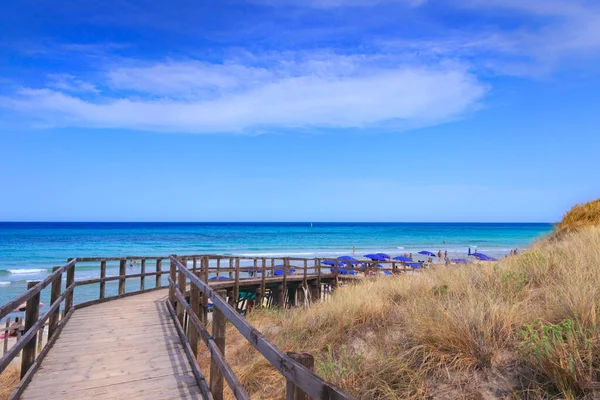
{"points": [[292, 370], [17, 301]]}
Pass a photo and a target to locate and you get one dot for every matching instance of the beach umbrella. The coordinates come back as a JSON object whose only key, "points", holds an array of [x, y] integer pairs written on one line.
{"points": [[330, 262], [376, 257], [427, 253], [414, 265], [221, 278], [383, 255], [403, 258], [348, 259]]}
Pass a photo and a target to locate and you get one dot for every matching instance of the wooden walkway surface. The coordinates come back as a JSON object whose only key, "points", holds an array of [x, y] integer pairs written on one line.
{"points": [[122, 349]]}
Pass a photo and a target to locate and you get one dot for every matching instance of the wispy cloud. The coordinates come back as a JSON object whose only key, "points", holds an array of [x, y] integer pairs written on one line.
{"points": [[334, 3], [341, 92], [69, 83]]}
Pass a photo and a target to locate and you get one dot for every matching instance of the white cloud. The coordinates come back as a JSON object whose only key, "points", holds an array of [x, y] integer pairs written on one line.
{"points": [[69, 83], [335, 3], [341, 92]]}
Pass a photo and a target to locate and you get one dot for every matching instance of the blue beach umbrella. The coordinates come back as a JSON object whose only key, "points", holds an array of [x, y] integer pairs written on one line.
{"points": [[348, 260], [279, 272], [427, 253], [330, 262], [221, 278], [383, 255], [376, 257], [403, 258]]}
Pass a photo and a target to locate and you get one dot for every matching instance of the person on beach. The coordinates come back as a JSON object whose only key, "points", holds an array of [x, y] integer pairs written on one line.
{"points": [[353, 250], [439, 255], [469, 251], [410, 256], [512, 252], [13, 329], [515, 251], [445, 254]]}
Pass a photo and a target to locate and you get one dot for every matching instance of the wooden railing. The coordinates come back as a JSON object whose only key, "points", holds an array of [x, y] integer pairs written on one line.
{"points": [[32, 355], [123, 277], [298, 375], [274, 280]]}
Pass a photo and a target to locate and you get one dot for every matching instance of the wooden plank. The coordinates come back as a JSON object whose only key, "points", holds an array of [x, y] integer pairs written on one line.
{"points": [[195, 308], [5, 347], [181, 287], [218, 334], [32, 312], [54, 295], [102, 276], [293, 392]]}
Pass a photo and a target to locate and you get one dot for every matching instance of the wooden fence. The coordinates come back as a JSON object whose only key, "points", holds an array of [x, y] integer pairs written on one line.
{"points": [[299, 376]]}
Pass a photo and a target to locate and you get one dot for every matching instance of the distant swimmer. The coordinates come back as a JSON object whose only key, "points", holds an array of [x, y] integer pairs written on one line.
{"points": [[353, 250]]}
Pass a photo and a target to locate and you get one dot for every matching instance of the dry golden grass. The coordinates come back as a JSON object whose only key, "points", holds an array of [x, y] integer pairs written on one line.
{"points": [[526, 327], [580, 216], [9, 379]]}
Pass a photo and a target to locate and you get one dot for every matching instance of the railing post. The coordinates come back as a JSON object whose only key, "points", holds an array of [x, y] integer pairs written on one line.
{"points": [[284, 291], [158, 272], [102, 275], [70, 280], [206, 262], [181, 287], [263, 283], [173, 275], [143, 278], [32, 311], [54, 294], [236, 288], [122, 272], [195, 309], [293, 392], [218, 334], [319, 279], [5, 347]]}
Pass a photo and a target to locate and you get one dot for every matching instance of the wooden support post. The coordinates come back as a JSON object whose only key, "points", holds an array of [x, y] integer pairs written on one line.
{"points": [[292, 295], [236, 287], [122, 272], [318, 280], [293, 392], [195, 266], [286, 267], [158, 273], [304, 278], [231, 267], [102, 275], [314, 293], [218, 334], [173, 276], [195, 308], [32, 311], [263, 283], [70, 280], [5, 347], [143, 278], [278, 299], [205, 262], [54, 294], [218, 269], [181, 287]]}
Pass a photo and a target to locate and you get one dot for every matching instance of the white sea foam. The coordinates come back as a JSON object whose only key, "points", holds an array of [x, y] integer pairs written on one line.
{"points": [[26, 271], [4, 283]]}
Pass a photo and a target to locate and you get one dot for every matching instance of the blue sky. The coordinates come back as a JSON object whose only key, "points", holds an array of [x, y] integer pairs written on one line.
{"points": [[272, 110]]}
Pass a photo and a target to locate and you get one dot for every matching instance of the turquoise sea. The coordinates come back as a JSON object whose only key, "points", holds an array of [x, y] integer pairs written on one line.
{"points": [[29, 250]]}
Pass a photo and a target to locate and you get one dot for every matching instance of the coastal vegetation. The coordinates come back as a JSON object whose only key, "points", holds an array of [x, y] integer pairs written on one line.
{"points": [[579, 217], [524, 327]]}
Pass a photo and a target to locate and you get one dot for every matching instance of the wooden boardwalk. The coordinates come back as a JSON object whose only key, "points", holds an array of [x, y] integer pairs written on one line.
{"points": [[126, 348]]}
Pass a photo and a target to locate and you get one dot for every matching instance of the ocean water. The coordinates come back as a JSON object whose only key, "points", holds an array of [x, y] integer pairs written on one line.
{"points": [[28, 251]]}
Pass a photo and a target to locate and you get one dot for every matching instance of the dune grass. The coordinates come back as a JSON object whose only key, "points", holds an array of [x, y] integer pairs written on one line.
{"points": [[578, 217], [9, 379], [526, 327]]}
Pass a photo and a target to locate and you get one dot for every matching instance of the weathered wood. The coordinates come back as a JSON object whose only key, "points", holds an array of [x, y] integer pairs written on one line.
{"points": [[116, 297], [206, 262], [300, 375], [102, 276], [12, 305], [293, 392], [318, 266], [143, 273], [236, 288], [70, 283], [190, 356], [263, 286], [218, 268], [173, 277], [122, 273], [218, 334], [231, 267], [32, 313], [194, 265], [6, 331], [193, 332], [158, 273], [181, 286], [16, 394], [54, 295]]}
